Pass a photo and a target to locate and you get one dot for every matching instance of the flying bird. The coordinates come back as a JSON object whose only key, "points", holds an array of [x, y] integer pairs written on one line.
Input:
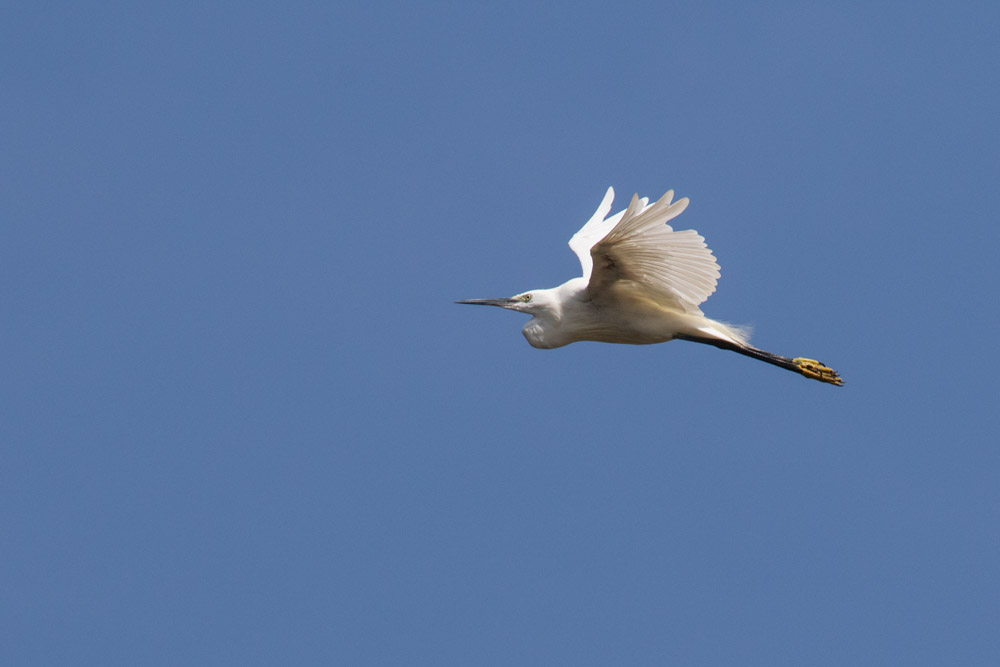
{"points": [[642, 283]]}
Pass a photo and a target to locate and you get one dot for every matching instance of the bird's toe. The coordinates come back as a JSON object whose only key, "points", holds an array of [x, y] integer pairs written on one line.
{"points": [[817, 371]]}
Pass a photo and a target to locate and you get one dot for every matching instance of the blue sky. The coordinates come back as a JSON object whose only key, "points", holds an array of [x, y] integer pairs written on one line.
{"points": [[243, 422]]}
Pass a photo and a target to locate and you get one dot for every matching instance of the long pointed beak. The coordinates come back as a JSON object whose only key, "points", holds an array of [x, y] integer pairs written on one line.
{"points": [[503, 303]]}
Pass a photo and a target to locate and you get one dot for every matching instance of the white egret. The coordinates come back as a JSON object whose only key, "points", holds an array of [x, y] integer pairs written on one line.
{"points": [[642, 283]]}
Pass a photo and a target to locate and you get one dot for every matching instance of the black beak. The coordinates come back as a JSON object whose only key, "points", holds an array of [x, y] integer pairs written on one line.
{"points": [[503, 303]]}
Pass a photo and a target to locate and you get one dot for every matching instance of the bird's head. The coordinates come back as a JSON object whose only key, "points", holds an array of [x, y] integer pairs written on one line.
{"points": [[535, 302], [545, 307]]}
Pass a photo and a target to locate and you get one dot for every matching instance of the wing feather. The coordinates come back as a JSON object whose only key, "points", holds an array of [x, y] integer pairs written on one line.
{"points": [[638, 248], [593, 231]]}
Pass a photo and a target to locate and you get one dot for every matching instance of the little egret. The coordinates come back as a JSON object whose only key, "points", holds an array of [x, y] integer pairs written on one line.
{"points": [[642, 283]]}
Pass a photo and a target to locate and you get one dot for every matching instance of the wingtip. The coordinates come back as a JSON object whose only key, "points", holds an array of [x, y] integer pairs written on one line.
{"points": [[633, 206]]}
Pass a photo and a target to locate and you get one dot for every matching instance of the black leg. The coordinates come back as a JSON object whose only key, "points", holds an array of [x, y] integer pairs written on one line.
{"points": [[808, 367]]}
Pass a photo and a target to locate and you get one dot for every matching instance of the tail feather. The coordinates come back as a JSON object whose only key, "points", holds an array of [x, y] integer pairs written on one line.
{"points": [[738, 334]]}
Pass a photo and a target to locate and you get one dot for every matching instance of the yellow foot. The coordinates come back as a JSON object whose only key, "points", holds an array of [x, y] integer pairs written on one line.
{"points": [[817, 371]]}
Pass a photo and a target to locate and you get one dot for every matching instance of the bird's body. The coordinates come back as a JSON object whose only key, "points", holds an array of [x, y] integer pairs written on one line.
{"points": [[642, 283], [573, 316]]}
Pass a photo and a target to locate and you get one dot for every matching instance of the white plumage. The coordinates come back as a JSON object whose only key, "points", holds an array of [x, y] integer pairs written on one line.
{"points": [[638, 245], [642, 282]]}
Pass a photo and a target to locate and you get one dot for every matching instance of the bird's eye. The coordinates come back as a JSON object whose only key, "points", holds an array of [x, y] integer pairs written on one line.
{"points": [[526, 298]]}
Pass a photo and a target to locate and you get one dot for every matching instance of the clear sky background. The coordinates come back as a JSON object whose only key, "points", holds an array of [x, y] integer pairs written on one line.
{"points": [[243, 423]]}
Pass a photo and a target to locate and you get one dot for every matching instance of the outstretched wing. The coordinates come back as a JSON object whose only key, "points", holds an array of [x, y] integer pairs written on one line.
{"points": [[637, 250], [592, 232]]}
